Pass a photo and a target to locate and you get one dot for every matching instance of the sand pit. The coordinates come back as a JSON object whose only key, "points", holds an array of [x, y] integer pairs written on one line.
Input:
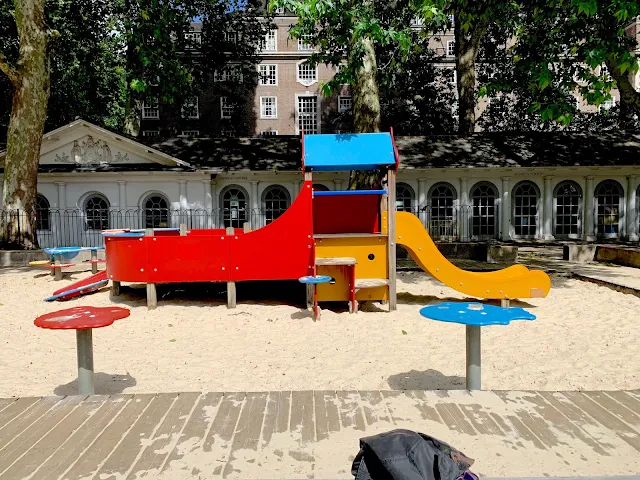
{"points": [[584, 338]]}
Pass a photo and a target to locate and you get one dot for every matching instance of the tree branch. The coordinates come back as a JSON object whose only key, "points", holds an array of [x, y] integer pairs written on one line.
{"points": [[629, 96], [9, 71]]}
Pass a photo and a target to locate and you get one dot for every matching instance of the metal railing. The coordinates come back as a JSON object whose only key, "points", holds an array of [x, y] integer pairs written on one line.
{"points": [[74, 227]]}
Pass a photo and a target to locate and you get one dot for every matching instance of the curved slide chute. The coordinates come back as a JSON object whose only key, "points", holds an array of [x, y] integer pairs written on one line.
{"points": [[513, 282]]}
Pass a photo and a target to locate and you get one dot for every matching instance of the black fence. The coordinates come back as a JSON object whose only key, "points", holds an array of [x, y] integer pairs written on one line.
{"points": [[74, 227]]}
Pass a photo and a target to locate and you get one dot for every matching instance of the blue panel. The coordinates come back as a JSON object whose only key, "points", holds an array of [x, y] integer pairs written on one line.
{"points": [[358, 151], [337, 193], [476, 314]]}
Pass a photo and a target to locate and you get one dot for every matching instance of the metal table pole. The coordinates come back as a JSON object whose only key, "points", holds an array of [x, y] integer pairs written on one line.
{"points": [[84, 342], [474, 358]]}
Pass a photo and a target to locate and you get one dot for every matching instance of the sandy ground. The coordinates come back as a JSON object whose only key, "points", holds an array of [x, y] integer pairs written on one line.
{"points": [[586, 337]]}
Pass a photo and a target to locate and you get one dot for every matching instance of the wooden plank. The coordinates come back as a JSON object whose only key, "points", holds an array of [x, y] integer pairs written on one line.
{"points": [[5, 402], [607, 419], [195, 430], [351, 415], [56, 409], [108, 439], [276, 419], [132, 442], [224, 423], [562, 423], [336, 261], [371, 282], [248, 429], [396, 413], [13, 412], [32, 458], [71, 450], [524, 432], [302, 416], [426, 411], [154, 455], [327, 416], [627, 400], [538, 427], [374, 407], [632, 417], [454, 418]]}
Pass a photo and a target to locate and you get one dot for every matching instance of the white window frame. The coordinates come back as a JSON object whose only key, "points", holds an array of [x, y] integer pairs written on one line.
{"points": [[195, 38], [306, 83], [451, 47], [274, 115], [318, 111], [228, 132], [150, 133], [342, 109], [190, 133], [195, 107], [607, 104], [228, 35], [151, 106], [454, 73], [304, 47], [417, 22], [268, 78], [279, 10], [224, 100], [275, 41], [268, 133]]}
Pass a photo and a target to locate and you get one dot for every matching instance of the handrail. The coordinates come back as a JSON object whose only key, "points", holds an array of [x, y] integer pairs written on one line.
{"points": [[335, 193]]}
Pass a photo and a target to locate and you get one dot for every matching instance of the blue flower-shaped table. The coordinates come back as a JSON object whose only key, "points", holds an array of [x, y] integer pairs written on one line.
{"points": [[312, 281], [474, 316]]}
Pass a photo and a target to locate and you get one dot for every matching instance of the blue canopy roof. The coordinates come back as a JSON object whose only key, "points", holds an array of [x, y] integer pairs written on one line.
{"points": [[351, 151]]}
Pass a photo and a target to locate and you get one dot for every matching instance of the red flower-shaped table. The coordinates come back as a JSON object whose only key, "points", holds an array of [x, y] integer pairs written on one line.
{"points": [[82, 320]]}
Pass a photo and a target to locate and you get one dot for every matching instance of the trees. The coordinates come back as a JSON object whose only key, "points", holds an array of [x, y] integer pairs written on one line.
{"points": [[562, 46], [29, 74]]}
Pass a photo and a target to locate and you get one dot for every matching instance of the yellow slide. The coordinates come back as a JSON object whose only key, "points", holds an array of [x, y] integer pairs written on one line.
{"points": [[513, 282]]}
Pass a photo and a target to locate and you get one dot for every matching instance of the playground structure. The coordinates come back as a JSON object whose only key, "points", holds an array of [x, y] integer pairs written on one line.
{"points": [[349, 236]]}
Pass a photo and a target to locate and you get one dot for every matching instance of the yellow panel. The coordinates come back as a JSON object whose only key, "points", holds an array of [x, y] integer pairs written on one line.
{"points": [[385, 223], [359, 248]]}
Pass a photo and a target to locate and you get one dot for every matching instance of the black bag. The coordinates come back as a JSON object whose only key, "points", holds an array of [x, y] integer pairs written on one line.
{"points": [[407, 455]]}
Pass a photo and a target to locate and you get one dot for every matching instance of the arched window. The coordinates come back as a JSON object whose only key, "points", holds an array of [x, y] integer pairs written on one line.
{"points": [[568, 206], [525, 210], [234, 206], [96, 211], [43, 213], [156, 211], [275, 200], [318, 187], [405, 198], [441, 213], [484, 211], [608, 195]]}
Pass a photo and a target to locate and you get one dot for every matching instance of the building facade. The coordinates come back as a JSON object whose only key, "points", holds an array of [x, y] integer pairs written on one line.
{"points": [[544, 188]]}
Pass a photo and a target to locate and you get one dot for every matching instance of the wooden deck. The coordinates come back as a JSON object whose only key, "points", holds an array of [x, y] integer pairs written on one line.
{"points": [[311, 434]]}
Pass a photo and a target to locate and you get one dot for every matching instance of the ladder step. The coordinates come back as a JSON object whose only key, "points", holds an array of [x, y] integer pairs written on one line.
{"points": [[336, 261], [371, 282]]}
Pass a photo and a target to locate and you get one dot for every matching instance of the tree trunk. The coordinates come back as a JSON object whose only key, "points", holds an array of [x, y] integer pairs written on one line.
{"points": [[366, 110], [26, 126], [629, 96], [466, 49]]}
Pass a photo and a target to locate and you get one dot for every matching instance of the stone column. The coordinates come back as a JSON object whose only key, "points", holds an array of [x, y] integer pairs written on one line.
{"points": [[547, 195], [632, 208], [62, 218], [122, 205], [215, 207], [205, 220], [256, 219], [505, 210], [422, 200], [295, 189], [184, 202], [589, 210], [463, 214], [337, 184]]}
